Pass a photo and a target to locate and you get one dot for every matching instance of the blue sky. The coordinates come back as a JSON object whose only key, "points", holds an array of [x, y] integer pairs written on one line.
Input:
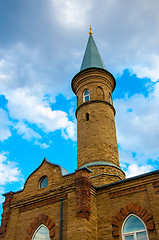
{"points": [[42, 44]]}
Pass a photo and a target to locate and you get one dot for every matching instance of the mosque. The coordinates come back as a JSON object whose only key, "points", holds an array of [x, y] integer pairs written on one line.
{"points": [[96, 202]]}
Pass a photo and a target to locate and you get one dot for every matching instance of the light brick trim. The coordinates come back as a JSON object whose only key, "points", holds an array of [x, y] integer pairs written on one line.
{"points": [[140, 211], [41, 219]]}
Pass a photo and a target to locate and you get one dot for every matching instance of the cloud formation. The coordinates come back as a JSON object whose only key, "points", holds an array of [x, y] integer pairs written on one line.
{"points": [[5, 132], [137, 122], [134, 170], [9, 172], [25, 90], [41, 51]]}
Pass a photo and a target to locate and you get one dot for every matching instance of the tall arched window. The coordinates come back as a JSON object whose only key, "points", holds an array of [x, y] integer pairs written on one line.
{"points": [[110, 98], [42, 233], [44, 182], [134, 229], [86, 96]]}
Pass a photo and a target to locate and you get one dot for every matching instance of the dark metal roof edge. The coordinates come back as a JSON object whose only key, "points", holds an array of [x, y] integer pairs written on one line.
{"points": [[84, 168], [101, 163], [128, 179]]}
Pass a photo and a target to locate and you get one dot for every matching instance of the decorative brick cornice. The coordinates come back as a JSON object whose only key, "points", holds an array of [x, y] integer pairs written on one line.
{"points": [[6, 214], [42, 203], [82, 183], [140, 211], [128, 191], [41, 219]]}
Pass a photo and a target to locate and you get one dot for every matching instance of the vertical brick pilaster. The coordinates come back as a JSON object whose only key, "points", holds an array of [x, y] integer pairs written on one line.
{"points": [[6, 214], [82, 183]]}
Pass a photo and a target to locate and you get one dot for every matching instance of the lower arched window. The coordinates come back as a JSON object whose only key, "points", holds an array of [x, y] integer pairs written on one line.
{"points": [[86, 96], [42, 233], [134, 229]]}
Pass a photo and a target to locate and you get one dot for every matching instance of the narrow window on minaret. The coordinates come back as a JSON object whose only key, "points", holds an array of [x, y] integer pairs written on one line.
{"points": [[77, 101], [87, 116], [86, 96], [110, 99]]}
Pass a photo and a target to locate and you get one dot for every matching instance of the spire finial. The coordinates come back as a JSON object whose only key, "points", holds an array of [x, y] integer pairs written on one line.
{"points": [[90, 32]]}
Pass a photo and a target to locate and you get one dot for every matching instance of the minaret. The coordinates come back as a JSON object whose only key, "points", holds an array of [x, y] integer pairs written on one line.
{"points": [[96, 134]]}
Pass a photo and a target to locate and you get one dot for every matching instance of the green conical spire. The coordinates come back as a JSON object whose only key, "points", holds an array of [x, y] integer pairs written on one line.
{"points": [[91, 57]]}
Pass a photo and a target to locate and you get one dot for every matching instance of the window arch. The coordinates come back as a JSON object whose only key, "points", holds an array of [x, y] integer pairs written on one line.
{"points": [[134, 229], [44, 182], [41, 233], [100, 93], [110, 98], [86, 95]]}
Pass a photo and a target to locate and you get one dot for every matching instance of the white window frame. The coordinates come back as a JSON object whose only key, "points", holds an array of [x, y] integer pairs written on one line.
{"points": [[84, 96], [134, 232], [42, 225]]}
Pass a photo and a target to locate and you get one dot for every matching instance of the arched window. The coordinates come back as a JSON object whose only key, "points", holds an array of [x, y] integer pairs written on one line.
{"points": [[110, 99], [134, 229], [42, 233], [44, 182], [100, 93], [86, 96]]}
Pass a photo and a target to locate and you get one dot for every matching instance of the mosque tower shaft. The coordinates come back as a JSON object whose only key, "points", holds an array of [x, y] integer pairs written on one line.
{"points": [[96, 132]]}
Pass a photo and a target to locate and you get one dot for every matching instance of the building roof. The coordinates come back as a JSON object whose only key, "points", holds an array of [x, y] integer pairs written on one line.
{"points": [[92, 57]]}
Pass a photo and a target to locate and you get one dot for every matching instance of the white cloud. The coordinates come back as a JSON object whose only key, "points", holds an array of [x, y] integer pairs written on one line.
{"points": [[2, 190], [27, 132], [44, 145], [149, 70], [137, 122], [5, 132], [137, 131], [129, 39], [25, 90], [25, 106], [32, 66], [70, 131], [9, 172], [70, 12], [134, 170]]}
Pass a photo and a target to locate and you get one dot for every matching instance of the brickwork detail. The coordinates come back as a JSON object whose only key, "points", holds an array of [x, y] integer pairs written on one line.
{"points": [[140, 211], [128, 191], [41, 219], [6, 214], [156, 187], [42, 203], [83, 184], [96, 137]]}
